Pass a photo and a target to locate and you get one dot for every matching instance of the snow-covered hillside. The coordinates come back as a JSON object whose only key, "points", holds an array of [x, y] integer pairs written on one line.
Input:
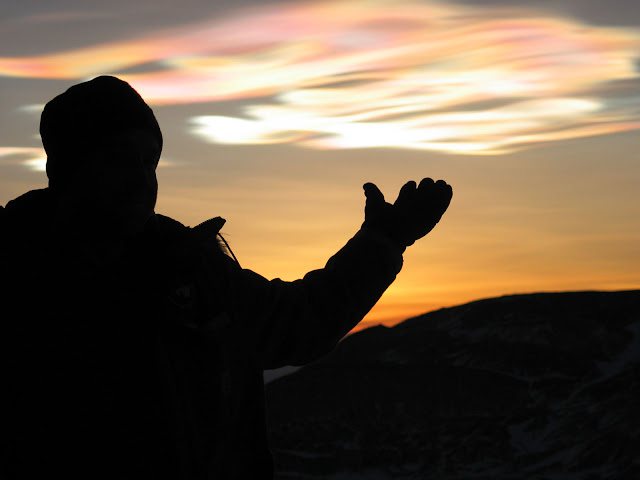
{"points": [[539, 386]]}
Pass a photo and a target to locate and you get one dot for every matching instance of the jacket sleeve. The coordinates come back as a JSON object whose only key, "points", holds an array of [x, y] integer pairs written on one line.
{"points": [[294, 323]]}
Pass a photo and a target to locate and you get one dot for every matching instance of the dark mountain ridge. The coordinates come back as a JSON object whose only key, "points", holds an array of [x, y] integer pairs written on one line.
{"points": [[536, 386]]}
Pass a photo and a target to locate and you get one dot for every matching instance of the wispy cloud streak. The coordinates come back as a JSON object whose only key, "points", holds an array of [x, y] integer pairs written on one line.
{"points": [[354, 74], [32, 157]]}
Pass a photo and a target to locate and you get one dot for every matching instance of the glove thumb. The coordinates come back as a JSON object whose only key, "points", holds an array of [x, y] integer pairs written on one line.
{"points": [[373, 194]]}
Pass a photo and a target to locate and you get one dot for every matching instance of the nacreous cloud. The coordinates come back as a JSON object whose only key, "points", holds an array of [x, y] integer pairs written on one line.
{"points": [[34, 158], [407, 74]]}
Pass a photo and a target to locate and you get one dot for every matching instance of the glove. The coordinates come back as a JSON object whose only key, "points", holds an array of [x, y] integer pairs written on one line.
{"points": [[414, 213]]}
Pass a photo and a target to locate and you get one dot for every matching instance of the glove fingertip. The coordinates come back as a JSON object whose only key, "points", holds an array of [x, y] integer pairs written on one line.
{"points": [[372, 191]]}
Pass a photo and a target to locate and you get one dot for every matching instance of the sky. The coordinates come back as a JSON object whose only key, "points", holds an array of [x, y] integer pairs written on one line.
{"points": [[274, 114]]}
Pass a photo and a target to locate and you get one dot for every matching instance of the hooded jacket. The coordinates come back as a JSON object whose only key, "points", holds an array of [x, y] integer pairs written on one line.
{"points": [[150, 367]]}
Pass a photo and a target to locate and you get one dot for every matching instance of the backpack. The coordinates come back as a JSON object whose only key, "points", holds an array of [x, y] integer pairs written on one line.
{"points": [[187, 357], [186, 361], [188, 351]]}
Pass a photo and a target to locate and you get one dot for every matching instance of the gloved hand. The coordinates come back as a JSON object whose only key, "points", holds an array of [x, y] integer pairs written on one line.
{"points": [[414, 213]]}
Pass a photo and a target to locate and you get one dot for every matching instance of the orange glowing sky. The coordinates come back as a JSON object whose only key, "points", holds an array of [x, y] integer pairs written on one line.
{"points": [[275, 114]]}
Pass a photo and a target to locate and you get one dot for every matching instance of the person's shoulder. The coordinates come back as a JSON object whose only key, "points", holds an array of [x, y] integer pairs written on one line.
{"points": [[22, 223], [165, 223], [168, 231], [204, 238], [31, 200], [28, 211], [172, 231]]}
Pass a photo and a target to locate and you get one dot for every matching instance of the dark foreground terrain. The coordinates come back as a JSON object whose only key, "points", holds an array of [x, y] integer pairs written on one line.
{"points": [[539, 386]]}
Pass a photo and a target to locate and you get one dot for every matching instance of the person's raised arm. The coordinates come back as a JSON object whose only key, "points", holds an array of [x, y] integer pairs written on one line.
{"points": [[295, 322]]}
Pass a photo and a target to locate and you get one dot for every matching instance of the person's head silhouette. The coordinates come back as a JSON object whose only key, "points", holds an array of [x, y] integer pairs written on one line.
{"points": [[103, 144]]}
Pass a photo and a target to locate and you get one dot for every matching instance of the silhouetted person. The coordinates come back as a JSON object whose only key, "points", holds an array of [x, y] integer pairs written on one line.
{"points": [[132, 346]]}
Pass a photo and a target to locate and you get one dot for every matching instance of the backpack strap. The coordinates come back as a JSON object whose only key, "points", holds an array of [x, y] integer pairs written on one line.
{"points": [[210, 230]]}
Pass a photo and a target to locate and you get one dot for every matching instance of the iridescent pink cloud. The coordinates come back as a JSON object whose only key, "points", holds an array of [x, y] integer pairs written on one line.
{"points": [[354, 74]]}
